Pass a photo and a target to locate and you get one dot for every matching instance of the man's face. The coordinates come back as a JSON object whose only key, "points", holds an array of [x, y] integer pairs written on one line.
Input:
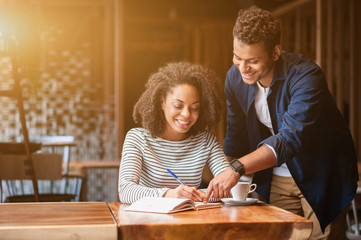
{"points": [[254, 62]]}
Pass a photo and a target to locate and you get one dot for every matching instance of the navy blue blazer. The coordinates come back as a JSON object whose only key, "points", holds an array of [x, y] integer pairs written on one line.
{"points": [[311, 135]]}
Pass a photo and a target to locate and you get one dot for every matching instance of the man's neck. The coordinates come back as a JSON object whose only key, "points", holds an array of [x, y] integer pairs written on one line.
{"points": [[267, 80], [265, 83]]}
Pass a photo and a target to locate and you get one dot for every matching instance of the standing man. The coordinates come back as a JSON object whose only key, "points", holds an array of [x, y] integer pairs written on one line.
{"points": [[283, 126]]}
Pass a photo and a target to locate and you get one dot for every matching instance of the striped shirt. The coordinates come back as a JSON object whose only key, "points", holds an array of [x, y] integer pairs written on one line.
{"points": [[143, 173]]}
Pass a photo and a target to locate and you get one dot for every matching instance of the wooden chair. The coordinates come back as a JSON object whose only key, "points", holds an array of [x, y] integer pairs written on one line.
{"points": [[62, 145], [47, 166], [353, 230], [59, 144]]}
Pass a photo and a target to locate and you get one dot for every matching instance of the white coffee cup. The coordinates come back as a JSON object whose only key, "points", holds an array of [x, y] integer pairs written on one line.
{"points": [[241, 190]]}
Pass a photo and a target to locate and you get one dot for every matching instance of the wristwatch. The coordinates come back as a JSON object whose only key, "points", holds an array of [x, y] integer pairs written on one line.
{"points": [[237, 166]]}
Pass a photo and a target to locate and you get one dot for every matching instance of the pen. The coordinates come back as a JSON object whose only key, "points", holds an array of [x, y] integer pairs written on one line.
{"points": [[175, 176]]}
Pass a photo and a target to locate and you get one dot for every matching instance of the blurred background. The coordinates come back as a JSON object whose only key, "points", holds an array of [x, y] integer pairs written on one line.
{"points": [[84, 63]]}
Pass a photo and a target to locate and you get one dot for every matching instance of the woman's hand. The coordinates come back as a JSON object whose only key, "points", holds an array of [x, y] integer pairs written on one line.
{"points": [[183, 191]]}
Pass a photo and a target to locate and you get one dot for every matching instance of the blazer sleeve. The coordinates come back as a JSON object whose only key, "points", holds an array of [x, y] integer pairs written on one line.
{"points": [[236, 142], [302, 97]]}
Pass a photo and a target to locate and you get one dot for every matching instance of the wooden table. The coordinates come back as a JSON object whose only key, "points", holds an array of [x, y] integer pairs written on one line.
{"points": [[61, 220], [81, 167], [259, 221]]}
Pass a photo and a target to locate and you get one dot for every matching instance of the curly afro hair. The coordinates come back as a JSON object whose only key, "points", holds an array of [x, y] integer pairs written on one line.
{"points": [[254, 25], [148, 113]]}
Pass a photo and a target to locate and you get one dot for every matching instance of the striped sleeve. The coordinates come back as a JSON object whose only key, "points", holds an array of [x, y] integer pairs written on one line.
{"points": [[143, 173], [216, 161], [130, 170]]}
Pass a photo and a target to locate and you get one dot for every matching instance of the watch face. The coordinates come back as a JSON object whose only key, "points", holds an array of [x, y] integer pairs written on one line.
{"points": [[236, 164]]}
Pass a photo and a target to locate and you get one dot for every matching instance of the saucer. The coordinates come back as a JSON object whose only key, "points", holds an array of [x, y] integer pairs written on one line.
{"points": [[233, 202]]}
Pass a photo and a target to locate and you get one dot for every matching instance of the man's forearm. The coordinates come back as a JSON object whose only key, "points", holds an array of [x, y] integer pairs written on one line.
{"points": [[257, 160]]}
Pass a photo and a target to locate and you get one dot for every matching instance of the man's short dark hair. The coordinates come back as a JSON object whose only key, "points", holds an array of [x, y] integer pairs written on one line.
{"points": [[254, 25]]}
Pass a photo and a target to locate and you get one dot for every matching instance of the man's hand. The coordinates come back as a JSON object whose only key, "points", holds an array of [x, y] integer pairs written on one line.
{"points": [[220, 186]]}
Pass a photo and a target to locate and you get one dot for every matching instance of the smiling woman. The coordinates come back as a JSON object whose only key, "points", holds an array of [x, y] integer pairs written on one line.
{"points": [[180, 105], [181, 111], [148, 112]]}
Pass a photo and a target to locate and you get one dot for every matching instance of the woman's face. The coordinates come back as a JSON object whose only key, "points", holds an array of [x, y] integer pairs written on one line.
{"points": [[181, 110]]}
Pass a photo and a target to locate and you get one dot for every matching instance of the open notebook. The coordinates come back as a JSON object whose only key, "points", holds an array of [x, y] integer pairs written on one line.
{"points": [[168, 205]]}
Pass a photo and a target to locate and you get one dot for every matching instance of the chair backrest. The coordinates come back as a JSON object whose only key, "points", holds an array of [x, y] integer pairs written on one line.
{"points": [[47, 166], [55, 143], [48, 172]]}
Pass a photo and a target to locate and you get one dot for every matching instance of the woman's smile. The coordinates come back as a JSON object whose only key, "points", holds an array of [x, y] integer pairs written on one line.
{"points": [[181, 110]]}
